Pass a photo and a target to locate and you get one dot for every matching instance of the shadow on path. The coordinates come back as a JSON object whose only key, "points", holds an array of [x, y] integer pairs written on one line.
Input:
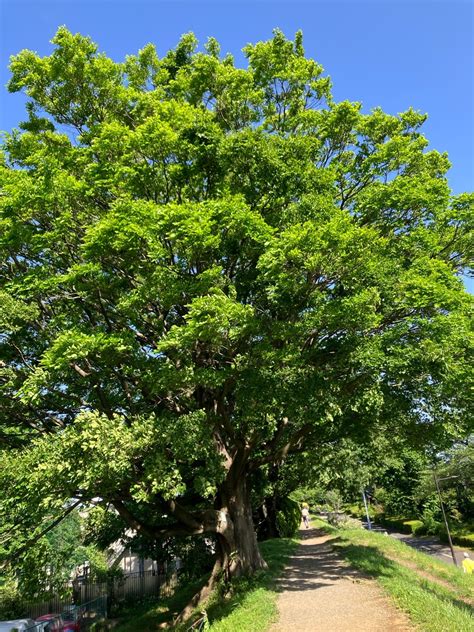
{"points": [[320, 592], [315, 564]]}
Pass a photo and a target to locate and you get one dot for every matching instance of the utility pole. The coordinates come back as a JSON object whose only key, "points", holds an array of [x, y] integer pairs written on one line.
{"points": [[436, 480]]}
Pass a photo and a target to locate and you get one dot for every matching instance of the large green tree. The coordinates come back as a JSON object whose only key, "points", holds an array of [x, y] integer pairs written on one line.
{"points": [[205, 269]]}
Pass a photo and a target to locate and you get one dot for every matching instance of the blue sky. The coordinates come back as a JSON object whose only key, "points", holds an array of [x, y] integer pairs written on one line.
{"points": [[394, 54]]}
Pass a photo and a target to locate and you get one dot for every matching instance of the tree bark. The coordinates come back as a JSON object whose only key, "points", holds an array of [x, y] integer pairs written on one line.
{"points": [[237, 539], [269, 510], [237, 551]]}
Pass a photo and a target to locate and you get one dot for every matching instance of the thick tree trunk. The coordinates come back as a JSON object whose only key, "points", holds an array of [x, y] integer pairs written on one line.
{"points": [[237, 551], [237, 539], [269, 511]]}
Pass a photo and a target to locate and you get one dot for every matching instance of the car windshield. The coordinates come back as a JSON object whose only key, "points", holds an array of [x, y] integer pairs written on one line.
{"points": [[50, 622]]}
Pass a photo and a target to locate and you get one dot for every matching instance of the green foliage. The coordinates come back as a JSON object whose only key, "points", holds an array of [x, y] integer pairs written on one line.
{"points": [[208, 268], [413, 527], [10, 599], [455, 471], [334, 500], [45, 568], [417, 527], [461, 536], [288, 517], [196, 554], [431, 515], [358, 511], [313, 495]]}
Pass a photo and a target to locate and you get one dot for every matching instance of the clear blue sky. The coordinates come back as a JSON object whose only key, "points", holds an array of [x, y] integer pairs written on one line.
{"points": [[394, 54]]}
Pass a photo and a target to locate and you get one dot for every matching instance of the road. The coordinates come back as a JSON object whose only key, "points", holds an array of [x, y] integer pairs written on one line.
{"points": [[430, 545]]}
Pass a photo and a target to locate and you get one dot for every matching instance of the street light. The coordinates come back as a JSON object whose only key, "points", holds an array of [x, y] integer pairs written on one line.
{"points": [[436, 480]]}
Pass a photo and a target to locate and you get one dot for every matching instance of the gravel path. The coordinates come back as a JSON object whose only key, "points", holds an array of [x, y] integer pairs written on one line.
{"points": [[320, 593]]}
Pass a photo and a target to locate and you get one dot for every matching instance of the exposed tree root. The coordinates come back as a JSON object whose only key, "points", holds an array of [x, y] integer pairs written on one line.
{"points": [[201, 596]]}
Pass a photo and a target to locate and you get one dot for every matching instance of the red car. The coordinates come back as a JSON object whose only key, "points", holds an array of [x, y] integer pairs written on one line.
{"points": [[57, 623]]}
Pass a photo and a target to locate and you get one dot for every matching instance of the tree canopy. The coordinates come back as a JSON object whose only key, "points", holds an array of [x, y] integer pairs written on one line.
{"points": [[206, 268]]}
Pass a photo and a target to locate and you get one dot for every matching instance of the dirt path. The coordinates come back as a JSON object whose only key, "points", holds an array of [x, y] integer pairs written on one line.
{"points": [[320, 593]]}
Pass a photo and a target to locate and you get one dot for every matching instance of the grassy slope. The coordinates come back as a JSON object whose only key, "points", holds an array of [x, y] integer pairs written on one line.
{"points": [[148, 614], [437, 597], [251, 606]]}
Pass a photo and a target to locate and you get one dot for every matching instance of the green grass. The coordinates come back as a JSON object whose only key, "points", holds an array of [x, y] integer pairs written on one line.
{"points": [[433, 594], [251, 604], [148, 614]]}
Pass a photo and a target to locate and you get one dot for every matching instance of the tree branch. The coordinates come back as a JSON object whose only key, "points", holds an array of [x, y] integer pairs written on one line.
{"points": [[188, 523], [42, 533], [292, 446]]}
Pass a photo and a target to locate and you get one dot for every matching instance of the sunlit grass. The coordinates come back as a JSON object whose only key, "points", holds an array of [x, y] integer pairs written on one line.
{"points": [[437, 597], [252, 606]]}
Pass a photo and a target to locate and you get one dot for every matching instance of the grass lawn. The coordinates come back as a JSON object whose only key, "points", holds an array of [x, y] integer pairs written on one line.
{"points": [[251, 606], [437, 597]]}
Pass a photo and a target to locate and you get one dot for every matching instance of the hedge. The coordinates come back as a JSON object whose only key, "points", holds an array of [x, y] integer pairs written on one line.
{"points": [[288, 517], [412, 527], [464, 540]]}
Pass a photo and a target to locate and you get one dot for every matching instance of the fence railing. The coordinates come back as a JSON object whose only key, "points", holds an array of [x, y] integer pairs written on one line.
{"points": [[143, 584], [53, 604], [85, 615], [107, 594]]}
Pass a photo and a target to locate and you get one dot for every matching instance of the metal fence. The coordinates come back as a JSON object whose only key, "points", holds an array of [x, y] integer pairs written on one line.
{"points": [[86, 598], [90, 612], [54, 604], [86, 614], [132, 586]]}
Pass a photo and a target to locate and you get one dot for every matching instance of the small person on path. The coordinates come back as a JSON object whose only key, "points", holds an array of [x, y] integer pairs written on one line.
{"points": [[305, 515]]}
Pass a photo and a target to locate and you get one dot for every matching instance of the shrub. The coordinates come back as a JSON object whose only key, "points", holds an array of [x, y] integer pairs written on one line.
{"points": [[430, 519], [196, 554], [420, 528], [358, 511], [288, 517], [10, 602], [465, 540], [415, 527], [354, 510], [393, 523], [334, 501], [341, 520]]}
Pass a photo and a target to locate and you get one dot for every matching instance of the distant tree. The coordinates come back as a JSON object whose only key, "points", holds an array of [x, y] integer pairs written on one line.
{"points": [[455, 470], [46, 568], [205, 269]]}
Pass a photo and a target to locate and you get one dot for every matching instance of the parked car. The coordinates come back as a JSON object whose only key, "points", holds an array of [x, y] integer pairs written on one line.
{"points": [[72, 616], [56, 623], [20, 625]]}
